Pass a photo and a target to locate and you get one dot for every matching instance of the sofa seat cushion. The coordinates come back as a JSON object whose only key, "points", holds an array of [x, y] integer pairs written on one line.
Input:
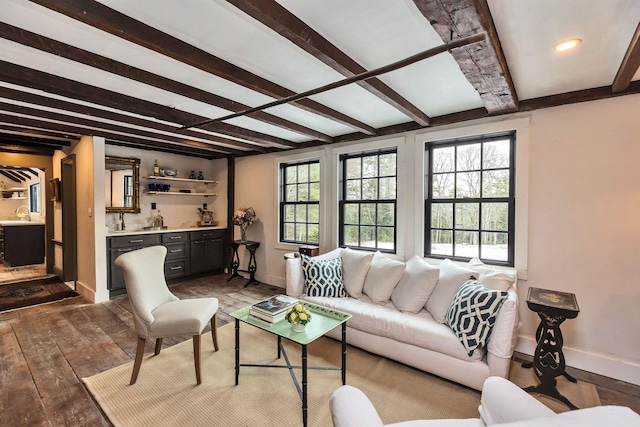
{"points": [[386, 320]]}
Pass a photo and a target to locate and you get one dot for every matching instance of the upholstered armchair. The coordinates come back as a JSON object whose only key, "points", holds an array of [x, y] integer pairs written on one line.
{"points": [[157, 313], [502, 404]]}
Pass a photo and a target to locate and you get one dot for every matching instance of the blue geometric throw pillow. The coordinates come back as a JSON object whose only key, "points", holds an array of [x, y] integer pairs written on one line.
{"points": [[323, 278], [473, 312]]}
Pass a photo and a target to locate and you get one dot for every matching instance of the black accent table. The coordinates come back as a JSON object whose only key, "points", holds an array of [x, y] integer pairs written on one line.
{"points": [[235, 261], [553, 308]]}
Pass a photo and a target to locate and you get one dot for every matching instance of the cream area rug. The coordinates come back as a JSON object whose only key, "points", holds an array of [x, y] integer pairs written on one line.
{"points": [[166, 393]]}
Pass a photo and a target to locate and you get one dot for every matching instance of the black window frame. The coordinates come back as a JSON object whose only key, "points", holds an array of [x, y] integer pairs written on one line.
{"points": [[283, 203], [34, 197], [342, 202], [510, 199]]}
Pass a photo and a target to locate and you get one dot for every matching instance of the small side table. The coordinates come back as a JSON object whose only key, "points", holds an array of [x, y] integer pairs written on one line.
{"points": [[235, 261], [553, 308]]}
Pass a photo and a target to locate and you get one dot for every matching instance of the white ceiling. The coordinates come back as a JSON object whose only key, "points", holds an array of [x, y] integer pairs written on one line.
{"points": [[374, 33]]}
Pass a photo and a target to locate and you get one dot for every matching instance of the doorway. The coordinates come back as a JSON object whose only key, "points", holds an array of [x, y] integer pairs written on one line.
{"points": [[69, 218]]}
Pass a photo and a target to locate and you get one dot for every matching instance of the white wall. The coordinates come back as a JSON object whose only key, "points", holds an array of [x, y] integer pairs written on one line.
{"points": [[581, 232], [177, 211]]}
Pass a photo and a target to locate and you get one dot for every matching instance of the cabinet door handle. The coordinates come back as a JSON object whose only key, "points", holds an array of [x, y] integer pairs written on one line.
{"points": [[175, 237], [207, 235], [197, 242], [173, 251], [217, 240], [136, 241], [176, 268], [124, 250]]}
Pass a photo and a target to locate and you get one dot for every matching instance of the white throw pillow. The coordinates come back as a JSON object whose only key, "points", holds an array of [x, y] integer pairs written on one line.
{"points": [[493, 278], [383, 276], [355, 265], [451, 278], [416, 285]]}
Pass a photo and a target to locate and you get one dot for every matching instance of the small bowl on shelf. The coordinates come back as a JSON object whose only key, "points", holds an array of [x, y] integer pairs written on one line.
{"points": [[169, 172]]}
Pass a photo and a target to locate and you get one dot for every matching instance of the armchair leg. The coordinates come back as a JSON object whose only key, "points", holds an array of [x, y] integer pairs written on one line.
{"points": [[138, 361], [158, 346], [214, 331], [196, 357]]}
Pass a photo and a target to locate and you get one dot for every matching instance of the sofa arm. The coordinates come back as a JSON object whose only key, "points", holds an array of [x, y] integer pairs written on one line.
{"points": [[294, 277], [504, 334], [504, 402], [350, 407]]}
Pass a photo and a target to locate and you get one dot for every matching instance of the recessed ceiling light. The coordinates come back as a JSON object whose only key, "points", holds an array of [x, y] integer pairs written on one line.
{"points": [[567, 45]]}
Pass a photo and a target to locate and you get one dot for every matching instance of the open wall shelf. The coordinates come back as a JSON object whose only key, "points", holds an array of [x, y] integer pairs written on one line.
{"points": [[195, 181]]}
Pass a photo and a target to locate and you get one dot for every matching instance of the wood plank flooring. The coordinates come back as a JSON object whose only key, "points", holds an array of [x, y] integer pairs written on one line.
{"points": [[47, 349]]}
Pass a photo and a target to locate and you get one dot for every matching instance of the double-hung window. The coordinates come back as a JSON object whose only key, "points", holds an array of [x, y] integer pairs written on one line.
{"points": [[368, 200], [470, 201], [300, 202]]}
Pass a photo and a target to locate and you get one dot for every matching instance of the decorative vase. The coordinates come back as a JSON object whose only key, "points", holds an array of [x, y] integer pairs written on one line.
{"points": [[298, 327], [243, 233]]}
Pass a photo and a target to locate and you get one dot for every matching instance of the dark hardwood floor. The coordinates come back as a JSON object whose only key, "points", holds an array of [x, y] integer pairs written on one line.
{"points": [[47, 349]]}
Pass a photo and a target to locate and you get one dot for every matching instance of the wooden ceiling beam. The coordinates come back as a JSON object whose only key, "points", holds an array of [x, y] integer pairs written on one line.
{"points": [[59, 104], [484, 65], [16, 145], [95, 128], [630, 64], [23, 174], [33, 136], [4, 173], [187, 149], [113, 22], [455, 44], [50, 83], [279, 19], [73, 53], [13, 175]]}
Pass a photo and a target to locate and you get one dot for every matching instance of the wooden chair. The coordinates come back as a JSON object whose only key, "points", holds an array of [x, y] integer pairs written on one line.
{"points": [[157, 313]]}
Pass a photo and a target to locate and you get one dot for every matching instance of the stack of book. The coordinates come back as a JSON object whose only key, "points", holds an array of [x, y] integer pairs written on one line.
{"points": [[272, 310]]}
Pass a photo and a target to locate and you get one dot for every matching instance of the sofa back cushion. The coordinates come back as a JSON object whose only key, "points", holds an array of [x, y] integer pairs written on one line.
{"points": [[416, 285], [473, 313], [323, 277], [355, 265], [493, 278], [382, 277], [451, 278]]}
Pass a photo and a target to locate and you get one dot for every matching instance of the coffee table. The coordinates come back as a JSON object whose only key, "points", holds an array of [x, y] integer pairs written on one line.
{"points": [[323, 320]]}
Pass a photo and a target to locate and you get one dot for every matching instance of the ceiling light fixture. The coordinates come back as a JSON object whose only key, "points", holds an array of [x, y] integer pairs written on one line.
{"points": [[567, 45]]}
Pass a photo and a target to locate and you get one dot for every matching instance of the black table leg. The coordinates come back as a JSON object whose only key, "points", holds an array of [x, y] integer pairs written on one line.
{"points": [[252, 264], [548, 360], [304, 385], [279, 346], [237, 351], [344, 353], [235, 262]]}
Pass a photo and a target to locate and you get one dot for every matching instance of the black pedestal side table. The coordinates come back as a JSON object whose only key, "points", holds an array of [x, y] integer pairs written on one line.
{"points": [[553, 308], [235, 261]]}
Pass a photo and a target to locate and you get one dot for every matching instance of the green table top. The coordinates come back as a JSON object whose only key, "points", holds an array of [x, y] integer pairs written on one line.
{"points": [[323, 320]]}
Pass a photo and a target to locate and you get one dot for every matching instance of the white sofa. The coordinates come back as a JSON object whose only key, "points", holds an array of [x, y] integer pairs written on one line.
{"points": [[378, 286], [502, 404]]}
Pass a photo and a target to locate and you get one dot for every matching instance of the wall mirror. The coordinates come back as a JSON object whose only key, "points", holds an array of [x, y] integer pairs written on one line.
{"points": [[122, 184]]}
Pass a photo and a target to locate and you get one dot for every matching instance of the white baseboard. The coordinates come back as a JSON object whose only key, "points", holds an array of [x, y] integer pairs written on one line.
{"points": [[605, 365], [91, 294]]}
